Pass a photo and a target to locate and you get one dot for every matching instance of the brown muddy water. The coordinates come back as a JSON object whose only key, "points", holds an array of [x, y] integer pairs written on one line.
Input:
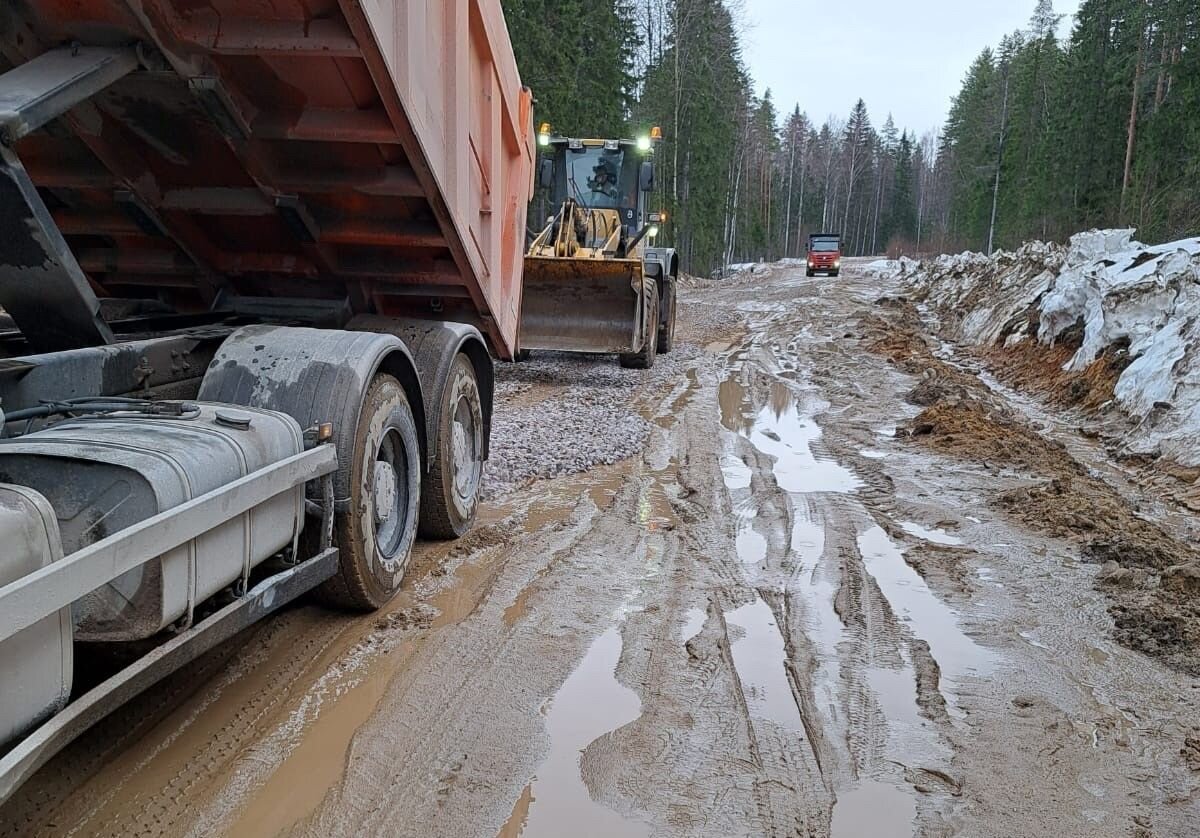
{"points": [[778, 619]]}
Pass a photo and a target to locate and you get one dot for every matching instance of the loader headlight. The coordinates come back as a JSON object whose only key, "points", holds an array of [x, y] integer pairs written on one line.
{"points": [[653, 231], [643, 144]]}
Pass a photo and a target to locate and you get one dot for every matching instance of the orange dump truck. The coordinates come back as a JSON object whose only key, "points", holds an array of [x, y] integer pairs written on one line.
{"points": [[256, 259]]}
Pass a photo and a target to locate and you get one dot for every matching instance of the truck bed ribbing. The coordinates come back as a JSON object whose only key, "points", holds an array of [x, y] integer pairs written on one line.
{"points": [[377, 152]]}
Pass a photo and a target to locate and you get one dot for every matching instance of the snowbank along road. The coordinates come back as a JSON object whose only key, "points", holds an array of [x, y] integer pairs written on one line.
{"points": [[815, 574]]}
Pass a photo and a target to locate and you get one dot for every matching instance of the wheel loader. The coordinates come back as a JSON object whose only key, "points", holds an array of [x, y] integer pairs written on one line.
{"points": [[594, 282]]}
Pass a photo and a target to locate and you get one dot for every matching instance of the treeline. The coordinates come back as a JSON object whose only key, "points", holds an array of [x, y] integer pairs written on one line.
{"points": [[1047, 138], [738, 182], [1044, 139]]}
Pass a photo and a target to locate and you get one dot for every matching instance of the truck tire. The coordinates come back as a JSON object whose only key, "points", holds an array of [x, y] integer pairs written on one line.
{"points": [[644, 360], [450, 494], [810, 274], [375, 533], [666, 334]]}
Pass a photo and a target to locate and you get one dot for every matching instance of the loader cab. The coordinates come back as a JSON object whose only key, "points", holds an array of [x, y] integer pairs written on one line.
{"points": [[606, 175]]}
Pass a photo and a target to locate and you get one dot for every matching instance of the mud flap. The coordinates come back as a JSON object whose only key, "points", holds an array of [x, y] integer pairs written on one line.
{"points": [[582, 305]]}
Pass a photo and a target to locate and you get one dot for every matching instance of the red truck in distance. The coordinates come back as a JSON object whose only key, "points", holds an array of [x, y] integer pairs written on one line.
{"points": [[824, 254]]}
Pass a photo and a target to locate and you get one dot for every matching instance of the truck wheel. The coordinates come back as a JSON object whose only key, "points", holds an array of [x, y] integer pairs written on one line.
{"points": [[810, 274], [666, 334], [644, 360], [450, 493], [375, 535]]}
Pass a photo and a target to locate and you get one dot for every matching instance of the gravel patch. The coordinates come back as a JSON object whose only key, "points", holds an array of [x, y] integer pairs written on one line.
{"points": [[559, 414]]}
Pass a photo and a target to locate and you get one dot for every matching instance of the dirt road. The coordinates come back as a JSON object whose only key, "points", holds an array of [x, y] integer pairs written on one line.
{"points": [[782, 615]]}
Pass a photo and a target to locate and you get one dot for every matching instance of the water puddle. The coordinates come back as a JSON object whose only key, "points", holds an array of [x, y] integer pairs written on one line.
{"points": [[590, 704], [872, 454], [758, 656], [736, 473], [519, 817], [915, 604], [781, 431], [808, 542], [935, 536], [873, 810], [751, 544], [694, 623]]}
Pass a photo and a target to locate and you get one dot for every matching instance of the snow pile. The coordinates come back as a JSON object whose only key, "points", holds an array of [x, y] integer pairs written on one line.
{"points": [[752, 268], [886, 268], [1112, 289]]}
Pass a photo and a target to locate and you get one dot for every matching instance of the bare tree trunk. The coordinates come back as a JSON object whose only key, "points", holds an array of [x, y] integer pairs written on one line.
{"points": [[991, 248], [787, 222], [1131, 132]]}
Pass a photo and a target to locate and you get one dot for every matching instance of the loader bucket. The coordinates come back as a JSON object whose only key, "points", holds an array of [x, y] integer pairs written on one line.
{"points": [[581, 305]]}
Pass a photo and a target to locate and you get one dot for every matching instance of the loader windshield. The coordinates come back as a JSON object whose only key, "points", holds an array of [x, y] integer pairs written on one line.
{"points": [[594, 177]]}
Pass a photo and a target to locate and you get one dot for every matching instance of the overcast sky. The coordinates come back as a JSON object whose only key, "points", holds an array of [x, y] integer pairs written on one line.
{"points": [[908, 58]]}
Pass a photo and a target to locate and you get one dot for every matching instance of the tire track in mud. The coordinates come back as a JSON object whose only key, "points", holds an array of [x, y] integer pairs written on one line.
{"points": [[410, 764], [868, 657]]}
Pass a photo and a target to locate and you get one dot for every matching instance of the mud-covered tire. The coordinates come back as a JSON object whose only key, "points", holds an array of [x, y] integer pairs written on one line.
{"points": [[644, 360], [666, 332], [375, 546], [810, 274], [450, 490]]}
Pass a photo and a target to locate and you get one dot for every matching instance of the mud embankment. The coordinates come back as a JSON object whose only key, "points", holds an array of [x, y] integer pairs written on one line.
{"points": [[1150, 574]]}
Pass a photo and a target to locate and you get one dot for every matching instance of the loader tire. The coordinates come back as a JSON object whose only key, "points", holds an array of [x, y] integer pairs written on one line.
{"points": [[666, 334], [375, 534], [644, 360], [450, 492]]}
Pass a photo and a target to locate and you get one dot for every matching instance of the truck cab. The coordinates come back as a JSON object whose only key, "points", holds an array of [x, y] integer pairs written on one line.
{"points": [[824, 254]]}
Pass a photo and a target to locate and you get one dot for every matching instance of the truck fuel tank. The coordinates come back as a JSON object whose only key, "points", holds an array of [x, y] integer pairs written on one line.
{"points": [[107, 473]]}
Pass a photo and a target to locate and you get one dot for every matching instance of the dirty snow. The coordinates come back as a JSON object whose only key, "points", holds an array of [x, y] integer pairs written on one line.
{"points": [[890, 267], [1114, 288]]}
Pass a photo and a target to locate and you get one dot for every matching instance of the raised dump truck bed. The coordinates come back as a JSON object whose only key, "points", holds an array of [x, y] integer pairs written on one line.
{"points": [[371, 152]]}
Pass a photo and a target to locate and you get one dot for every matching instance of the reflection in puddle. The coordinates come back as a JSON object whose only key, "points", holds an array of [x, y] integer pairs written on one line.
{"points": [[873, 810], [915, 604], [751, 544], [590, 704], [759, 657], [934, 536], [737, 473], [783, 433], [694, 624], [808, 542]]}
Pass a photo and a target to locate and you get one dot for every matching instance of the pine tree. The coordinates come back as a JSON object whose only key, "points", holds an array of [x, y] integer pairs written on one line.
{"points": [[903, 210]]}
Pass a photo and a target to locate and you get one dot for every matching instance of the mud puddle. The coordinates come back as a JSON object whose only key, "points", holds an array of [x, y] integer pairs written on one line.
{"points": [[874, 809], [928, 616], [760, 659], [786, 431], [933, 535], [590, 704]]}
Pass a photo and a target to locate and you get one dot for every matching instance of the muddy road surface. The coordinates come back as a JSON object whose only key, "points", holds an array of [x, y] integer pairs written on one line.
{"points": [[735, 595]]}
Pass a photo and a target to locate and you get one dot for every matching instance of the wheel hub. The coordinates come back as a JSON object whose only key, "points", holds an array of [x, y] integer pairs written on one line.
{"points": [[385, 491], [465, 450]]}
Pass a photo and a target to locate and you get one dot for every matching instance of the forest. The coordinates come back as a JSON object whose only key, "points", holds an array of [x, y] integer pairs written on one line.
{"points": [[1047, 136]]}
